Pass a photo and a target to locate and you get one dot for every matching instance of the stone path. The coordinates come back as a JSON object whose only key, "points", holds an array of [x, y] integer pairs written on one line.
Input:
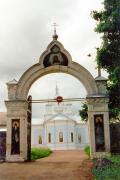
{"points": [[60, 165]]}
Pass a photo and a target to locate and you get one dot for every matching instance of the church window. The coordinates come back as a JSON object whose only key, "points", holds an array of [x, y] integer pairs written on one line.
{"points": [[60, 137], [72, 137], [49, 137], [79, 138], [40, 140]]}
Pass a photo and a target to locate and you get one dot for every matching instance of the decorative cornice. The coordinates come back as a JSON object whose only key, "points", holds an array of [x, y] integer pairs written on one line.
{"points": [[97, 99], [15, 104]]}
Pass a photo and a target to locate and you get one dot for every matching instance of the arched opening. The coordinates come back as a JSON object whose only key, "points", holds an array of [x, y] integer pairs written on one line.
{"points": [[61, 137], [36, 72], [49, 137], [40, 139], [52, 119]]}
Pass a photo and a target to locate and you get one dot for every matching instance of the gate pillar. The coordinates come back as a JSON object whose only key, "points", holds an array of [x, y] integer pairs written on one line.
{"points": [[98, 118], [16, 145]]}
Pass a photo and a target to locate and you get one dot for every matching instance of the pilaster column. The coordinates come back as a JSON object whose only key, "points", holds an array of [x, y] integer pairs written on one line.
{"points": [[98, 107], [16, 114]]}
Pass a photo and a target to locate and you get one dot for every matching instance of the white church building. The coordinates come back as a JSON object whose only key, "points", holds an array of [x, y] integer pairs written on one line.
{"points": [[59, 130]]}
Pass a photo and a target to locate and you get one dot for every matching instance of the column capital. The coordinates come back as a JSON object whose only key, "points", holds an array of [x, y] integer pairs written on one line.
{"points": [[16, 108], [97, 99]]}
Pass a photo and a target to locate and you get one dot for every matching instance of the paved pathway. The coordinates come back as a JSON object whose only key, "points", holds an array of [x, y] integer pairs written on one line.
{"points": [[60, 165]]}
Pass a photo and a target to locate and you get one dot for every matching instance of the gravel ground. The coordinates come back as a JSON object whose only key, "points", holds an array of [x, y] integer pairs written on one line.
{"points": [[60, 165]]}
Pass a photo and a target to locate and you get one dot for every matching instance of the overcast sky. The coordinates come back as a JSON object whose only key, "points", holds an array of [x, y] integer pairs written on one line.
{"points": [[25, 32]]}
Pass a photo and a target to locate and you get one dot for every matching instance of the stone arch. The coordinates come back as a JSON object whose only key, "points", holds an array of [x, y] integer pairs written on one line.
{"points": [[36, 71]]}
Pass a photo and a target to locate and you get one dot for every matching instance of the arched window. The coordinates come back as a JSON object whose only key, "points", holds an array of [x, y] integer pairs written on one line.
{"points": [[49, 137], [60, 137], [79, 138], [40, 140], [72, 137]]}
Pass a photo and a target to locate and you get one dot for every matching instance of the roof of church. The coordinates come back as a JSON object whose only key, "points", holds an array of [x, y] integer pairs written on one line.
{"points": [[3, 118], [60, 117]]}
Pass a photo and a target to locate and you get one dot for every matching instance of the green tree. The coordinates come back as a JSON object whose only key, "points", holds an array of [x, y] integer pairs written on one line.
{"points": [[108, 54], [83, 113]]}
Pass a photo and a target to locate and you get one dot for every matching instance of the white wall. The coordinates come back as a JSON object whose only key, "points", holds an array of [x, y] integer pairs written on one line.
{"points": [[66, 127]]}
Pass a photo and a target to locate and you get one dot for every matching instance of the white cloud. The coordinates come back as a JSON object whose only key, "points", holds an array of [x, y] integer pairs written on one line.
{"points": [[26, 31]]}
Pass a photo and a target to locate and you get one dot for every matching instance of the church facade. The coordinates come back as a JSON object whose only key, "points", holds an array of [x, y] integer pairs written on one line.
{"points": [[60, 134], [60, 130]]}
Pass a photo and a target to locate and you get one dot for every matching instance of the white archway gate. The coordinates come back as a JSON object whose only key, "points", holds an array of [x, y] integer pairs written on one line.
{"points": [[55, 59]]}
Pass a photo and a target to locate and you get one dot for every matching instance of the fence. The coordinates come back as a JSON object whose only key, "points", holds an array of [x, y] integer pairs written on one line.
{"points": [[2, 145], [115, 137]]}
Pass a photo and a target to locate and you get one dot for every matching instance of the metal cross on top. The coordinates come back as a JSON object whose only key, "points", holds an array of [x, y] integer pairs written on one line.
{"points": [[54, 25]]}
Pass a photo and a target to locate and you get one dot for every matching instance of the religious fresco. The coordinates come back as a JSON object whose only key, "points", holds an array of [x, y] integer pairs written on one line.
{"points": [[55, 57], [2, 145], [99, 133], [15, 146]]}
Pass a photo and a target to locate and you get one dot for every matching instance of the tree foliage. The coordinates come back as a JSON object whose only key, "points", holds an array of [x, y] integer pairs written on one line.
{"points": [[83, 112], [108, 55]]}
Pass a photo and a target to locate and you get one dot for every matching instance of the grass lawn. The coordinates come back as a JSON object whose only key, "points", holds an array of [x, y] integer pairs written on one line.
{"points": [[87, 151], [109, 172], [37, 153]]}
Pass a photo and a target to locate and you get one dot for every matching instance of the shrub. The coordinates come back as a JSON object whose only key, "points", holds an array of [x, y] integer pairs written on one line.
{"points": [[37, 153], [87, 151], [110, 171]]}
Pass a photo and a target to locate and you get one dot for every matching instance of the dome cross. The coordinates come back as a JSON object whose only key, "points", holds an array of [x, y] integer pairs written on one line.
{"points": [[55, 36]]}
